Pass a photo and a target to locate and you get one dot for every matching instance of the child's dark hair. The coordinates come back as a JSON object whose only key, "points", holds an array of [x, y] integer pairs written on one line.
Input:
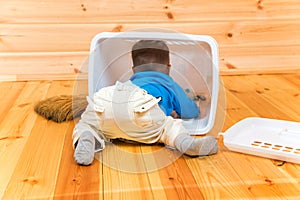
{"points": [[150, 51]]}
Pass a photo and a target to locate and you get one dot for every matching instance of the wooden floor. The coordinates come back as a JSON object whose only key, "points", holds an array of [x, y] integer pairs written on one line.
{"points": [[37, 163]]}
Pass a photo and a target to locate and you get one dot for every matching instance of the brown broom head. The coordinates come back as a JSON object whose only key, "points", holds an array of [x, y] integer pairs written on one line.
{"points": [[61, 108]]}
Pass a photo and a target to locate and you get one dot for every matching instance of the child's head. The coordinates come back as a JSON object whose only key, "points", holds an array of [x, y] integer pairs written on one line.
{"points": [[150, 55]]}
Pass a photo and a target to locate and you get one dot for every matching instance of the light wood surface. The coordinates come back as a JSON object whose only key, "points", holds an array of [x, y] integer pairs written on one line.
{"points": [[36, 155], [50, 39]]}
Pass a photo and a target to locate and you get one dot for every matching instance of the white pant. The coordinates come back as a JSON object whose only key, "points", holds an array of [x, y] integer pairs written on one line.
{"points": [[126, 111]]}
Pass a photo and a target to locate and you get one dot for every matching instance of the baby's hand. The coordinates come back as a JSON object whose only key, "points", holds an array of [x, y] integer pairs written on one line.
{"points": [[175, 115], [199, 97], [194, 96]]}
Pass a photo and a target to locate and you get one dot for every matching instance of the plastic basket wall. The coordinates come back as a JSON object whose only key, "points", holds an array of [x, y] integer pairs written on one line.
{"points": [[194, 60]]}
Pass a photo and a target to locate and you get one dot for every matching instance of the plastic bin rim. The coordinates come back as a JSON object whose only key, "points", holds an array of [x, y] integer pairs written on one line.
{"points": [[154, 35]]}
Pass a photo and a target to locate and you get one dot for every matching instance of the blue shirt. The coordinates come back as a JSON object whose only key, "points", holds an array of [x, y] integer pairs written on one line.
{"points": [[172, 95]]}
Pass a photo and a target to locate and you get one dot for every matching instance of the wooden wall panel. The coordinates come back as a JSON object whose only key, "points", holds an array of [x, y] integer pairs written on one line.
{"points": [[104, 11], [50, 37], [77, 37]]}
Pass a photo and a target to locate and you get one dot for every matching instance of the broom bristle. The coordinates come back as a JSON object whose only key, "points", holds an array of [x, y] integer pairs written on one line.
{"points": [[61, 108]]}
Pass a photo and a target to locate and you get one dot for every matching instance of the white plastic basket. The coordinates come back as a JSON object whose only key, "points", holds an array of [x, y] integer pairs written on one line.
{"points": [[270, 138], [194, 60]]}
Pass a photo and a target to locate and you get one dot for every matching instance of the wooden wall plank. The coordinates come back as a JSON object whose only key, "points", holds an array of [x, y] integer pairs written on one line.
{"points": [[253, 36], [66, 65], [77, 37], [36, 11], [39, 63], [52, 69]]}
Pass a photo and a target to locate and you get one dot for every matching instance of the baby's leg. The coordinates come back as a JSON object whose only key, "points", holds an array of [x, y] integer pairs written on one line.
{"points": [[196, 146], [85, 149], [176, 136]]}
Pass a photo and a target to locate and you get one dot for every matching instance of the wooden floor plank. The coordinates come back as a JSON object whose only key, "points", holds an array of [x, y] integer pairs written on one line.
{"points": [[242, 88], [293, 78], [40, 151], [178, 181], [16, 126], [41, 164], [236, 110], [7, 99], [36, 171], [124, 174], [74, 181], [265, 173], [168, 174], [263, 177], [284, 97], [217, 182]]}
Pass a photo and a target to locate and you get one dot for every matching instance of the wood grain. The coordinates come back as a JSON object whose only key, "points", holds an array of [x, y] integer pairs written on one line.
{"points": [[77, 37], [34, 11], [32, 155], [36, 155], [53, 37], [42, 41]]}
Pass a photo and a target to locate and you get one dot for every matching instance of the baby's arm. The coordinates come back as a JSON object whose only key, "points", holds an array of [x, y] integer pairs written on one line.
{"points": [[186, 108]]}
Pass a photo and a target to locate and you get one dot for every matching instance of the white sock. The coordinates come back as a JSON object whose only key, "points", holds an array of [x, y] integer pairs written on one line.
{"points": [[196, 146], [85, 149]]}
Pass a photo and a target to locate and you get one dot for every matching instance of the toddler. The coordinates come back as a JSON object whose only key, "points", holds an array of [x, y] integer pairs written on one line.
{"points": [[146, 109]]}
